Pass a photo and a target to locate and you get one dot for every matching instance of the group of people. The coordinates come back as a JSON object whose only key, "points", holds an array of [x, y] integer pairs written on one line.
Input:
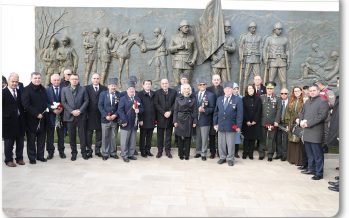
{"points": [[212, 115]]}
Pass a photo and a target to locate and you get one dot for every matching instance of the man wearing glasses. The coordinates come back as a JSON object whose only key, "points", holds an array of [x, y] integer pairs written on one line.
{"points": [[281, 134]]}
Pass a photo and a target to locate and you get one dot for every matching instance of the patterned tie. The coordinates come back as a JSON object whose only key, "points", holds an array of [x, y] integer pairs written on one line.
{"points": [[200, 97], [96, 88], [14, 94]]}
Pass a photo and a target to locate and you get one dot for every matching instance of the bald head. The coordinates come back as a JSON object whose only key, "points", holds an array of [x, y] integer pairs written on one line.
{"points": [[164, 84], [216, 80]]}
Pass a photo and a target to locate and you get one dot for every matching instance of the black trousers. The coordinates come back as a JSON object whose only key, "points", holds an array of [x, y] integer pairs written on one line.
{"points": [[184, 146], [98, 140], [36, 145], [304, 157], [212, 144], [50, 139], [9, 143], [167, 134], [79, 124], [281, 143], [145, 138], [248, 147]]}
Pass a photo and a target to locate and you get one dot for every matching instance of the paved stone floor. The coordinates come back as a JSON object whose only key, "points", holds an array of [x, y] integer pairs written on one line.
{"points": [[166, 187]]}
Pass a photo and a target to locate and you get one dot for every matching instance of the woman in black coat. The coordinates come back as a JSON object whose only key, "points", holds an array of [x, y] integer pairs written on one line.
{"points": [[185, 119], [251, 127]]}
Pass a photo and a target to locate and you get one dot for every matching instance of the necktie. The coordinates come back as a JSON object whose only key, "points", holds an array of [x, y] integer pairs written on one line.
{"points": [[132, 99], [225, 104], [56, 93], [283, 110], [112, 99], [200, 97], [96, 88], [14, 94]]}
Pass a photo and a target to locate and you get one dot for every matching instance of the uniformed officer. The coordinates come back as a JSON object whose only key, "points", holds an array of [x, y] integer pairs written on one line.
{"points": [[270, 107]]}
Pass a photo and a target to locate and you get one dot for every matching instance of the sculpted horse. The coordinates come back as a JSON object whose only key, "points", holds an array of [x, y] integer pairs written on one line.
{"points": [[122, 52]]}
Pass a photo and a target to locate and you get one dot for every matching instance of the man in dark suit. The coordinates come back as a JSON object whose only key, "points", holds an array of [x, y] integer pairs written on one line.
{"points": [[227, 120], [108, 105], [75, 101], [216, 89], [258, 84], [147, 119], [164, 103], [93, 115], [129, 107], [206, 104], [54, 95], [66, 77], [12, 121], [34, 101]]}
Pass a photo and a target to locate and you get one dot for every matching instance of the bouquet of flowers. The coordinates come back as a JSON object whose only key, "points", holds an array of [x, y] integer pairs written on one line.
{"points": [[57, 106], [205, 101], [135, 106], [270, 127], [234, 127], [39, 124]]}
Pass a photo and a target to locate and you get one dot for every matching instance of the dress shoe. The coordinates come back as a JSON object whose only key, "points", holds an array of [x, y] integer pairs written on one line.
{"points": [[84, 156], [144, 155], [336, 178], [244, 156], [203, 158], [302, 168], [50, 156], [73, 158], [132, 158], [149, 154], [316, 177], [104, 158], [62, 155], [260, 158], [126, 159], [334, 188], [283, 159], [42, 159], [186, 158], [230, 163], [182, 158], [277, 157], [221, 161], [11, 164], [32, 161], [197, 155], [212, 156], [99, 154], [169, 155], [114, 156], [307, 172], [20, 162], [270, 159], [251, 157], [136, 152], [89, 155], [333, 183], [236, 156], [159, 154]]}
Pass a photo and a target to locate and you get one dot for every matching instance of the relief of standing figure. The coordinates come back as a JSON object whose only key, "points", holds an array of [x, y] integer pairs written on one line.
{"points": [[91, 46], [67, 56]]}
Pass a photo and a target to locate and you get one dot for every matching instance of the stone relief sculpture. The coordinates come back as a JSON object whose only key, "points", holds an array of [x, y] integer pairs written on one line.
{"points": [[220, 59], [122, 50], [50, 59], [331, 68], [159, 59], [105, 45], [184, 52], [67, 56], [314, 62], [276, 56], [250, 54], [91, 53]]}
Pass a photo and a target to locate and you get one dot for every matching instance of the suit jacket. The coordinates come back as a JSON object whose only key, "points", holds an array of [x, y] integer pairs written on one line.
{"points": [[12, 123], [149, 115], [70, 103], [218, 91], [164, 103], [51, 121], [261, 90], [205, 118], [34, 101], [127, 113], [93, 114], [233, 114], [105, 106]]}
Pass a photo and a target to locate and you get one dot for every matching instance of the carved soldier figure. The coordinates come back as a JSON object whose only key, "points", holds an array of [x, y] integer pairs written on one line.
{"points": [[314, 63], [184, 52], [250, 50], [105, 44], [218, 59], [332, 69], [67, 56], [159, 57], [91, 46], [276, 55], [51, 61]]}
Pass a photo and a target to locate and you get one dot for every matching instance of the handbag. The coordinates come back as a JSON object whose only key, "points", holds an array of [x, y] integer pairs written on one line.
{"points": [[297, 131]]}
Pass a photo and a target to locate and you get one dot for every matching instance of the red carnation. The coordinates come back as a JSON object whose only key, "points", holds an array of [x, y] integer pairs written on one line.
{"points": [[234, 127]]}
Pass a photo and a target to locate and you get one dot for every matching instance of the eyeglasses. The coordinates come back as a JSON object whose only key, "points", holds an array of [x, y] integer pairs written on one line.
{"points": [[202, 84], [284, 93], [68, 74]]}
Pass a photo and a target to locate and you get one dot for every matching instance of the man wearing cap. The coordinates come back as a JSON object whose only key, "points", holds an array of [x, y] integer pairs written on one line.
{"points": [[67, 56], [184, 52], [159, 57], [94, 116], [206, 102], [147, 119], [218, 91], [276, 55], [130, 107], [270, 107], [91, 45], [164, 101], [218, 59], [250, 50], [227, 120], [108, 105]]}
